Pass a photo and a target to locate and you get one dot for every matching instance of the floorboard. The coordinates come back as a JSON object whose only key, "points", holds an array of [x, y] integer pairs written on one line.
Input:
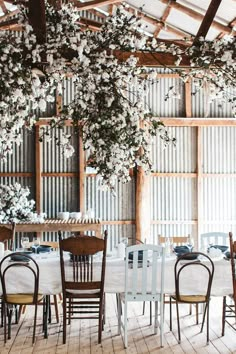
{"points": [[82, 336]]}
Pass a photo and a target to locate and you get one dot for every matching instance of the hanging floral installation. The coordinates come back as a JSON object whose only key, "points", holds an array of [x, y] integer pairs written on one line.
{"points": [[108, 109]]}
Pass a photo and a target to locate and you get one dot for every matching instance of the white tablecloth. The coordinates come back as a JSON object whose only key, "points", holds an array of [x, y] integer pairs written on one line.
{"points": [[50, 277]]}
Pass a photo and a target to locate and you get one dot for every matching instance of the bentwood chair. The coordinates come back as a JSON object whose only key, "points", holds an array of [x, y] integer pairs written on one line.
{"points": [[202, 272], [229, 303], [144, 281], [8, 275], [83, 279]]}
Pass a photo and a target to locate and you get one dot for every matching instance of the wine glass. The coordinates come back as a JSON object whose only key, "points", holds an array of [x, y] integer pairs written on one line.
{"points": [[25, 242], [36, 243]]}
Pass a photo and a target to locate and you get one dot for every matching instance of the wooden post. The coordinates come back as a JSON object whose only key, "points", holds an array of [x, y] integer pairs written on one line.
{"points": [[38, 168], [81, 175], [143, 217], [37, 19]]}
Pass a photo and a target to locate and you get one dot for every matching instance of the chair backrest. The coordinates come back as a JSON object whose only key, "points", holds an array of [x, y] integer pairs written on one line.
{"points": [[7, 235], [200, 271], [216, 238], [10, 271], [81, 271], [174, 240], [144, 272], [232, 245]]}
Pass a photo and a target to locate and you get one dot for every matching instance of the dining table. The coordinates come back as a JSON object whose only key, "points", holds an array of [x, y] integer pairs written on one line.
{"points": [[50, 276]]}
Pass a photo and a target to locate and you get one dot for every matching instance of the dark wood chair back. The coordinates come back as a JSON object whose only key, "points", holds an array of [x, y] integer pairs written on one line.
{"points": [[7, 236], [232, 245], [83, 277]]}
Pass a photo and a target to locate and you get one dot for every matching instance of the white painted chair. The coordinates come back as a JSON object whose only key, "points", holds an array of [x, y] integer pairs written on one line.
{"points": [[216, 238], [144, 281]]}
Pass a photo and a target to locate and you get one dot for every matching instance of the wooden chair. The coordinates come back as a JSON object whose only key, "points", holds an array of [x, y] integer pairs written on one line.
{"points": [[141, 284], [83, 279], [7, 236], [229, 303], [203, 268], [32, 297]]}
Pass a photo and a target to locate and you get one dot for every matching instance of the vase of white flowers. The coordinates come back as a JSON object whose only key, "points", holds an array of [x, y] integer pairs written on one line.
{"points": [[15, 205]]}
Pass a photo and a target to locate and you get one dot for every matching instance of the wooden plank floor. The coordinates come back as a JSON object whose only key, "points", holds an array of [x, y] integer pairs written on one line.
{"points": [[82, 335]]}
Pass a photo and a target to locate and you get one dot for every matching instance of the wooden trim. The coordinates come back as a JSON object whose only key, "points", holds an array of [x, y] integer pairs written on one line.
{"points": [[118, 222], [198, 122], [188, 99], [59, 174], [16, 174], [208, 19], [93, 25], [3, 6], [163, 19], [37, 170], [199, 184], [196, 15], [176, 174], [95, 3], [174, 222]]}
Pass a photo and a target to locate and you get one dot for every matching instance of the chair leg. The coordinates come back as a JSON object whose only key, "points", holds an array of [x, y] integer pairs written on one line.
{"points": [[125, 326], [156, 314], [35, 319], [56, 307], [170, 314], [178, 323], [223, 315], [143, 308], [162, 320], [9, 315], [119, 312], [197, 314], [208, 311], [204, 316], [5, 321], [100, 320], [64, 320], [150, 313]]}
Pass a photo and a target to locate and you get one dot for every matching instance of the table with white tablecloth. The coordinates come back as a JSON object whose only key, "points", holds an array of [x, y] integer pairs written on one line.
{"points": [[50, 277]]}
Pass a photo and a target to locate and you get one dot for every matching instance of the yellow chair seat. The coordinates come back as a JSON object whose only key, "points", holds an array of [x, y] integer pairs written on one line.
{"points": [[191, 298], [22, 299]]}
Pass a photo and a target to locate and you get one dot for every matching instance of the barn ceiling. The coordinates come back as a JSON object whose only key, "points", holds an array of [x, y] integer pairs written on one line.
{"points": [[164, 19]]}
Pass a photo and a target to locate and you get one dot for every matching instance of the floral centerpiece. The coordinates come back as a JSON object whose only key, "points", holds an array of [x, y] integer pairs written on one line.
{"points": [[15, 205]]}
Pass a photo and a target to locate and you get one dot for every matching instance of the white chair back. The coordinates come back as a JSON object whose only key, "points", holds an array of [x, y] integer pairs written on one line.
{"points": [[215, 238], [144, 273]]}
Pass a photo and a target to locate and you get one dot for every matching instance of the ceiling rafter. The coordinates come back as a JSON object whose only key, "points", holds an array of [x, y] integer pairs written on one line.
{"points": [[3, 6], [196, 15], [163, 19], [208, 19], [156, 22], [94, 3]]}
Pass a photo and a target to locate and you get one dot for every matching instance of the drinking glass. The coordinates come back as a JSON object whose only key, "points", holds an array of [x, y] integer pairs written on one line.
{"points": [[36, 243], [25, 242]]}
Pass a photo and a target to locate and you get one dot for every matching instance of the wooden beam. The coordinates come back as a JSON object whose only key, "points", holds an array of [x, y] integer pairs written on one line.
{"points": [[37, 19], [174, 174], [81, 175], [16, 174], [55, 3], [196, 15], [37, 170], [152, 59], [163, 19], [3, 6], [198, 122], [95, 3], [143, 214], [156, 22], [208, 19], [93, 25], [188, 99], [9, 14]]}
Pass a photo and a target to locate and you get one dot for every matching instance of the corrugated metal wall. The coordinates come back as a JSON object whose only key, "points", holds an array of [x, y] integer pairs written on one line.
{"points": [[173, 199]]}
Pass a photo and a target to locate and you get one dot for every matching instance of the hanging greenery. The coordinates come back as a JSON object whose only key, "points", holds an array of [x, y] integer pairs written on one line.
{"points": [[108, 109]]}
